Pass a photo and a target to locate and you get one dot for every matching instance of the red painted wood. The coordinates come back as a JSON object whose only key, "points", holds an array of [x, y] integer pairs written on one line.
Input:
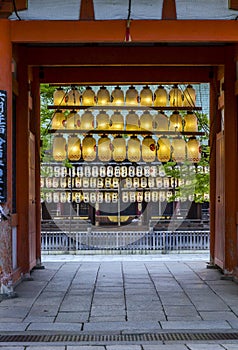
{"points": [[86, 10], [169, 10]]}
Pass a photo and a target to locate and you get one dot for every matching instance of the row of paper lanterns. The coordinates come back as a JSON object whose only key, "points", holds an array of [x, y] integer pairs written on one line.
{"points": [[107, 197], [146, 122], [160, 97], [119, 149]]}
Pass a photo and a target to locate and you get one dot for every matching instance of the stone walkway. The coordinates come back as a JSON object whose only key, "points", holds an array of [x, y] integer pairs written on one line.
{"points": [[123, 295]]}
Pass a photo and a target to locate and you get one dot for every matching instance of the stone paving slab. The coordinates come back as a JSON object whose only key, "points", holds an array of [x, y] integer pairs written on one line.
{"points": [[196, 325]]}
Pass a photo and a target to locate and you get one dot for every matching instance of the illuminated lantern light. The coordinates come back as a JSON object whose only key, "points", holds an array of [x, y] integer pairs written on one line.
{"points": [[117, 97], [146, 121], [190, 122], [73, 121], [193, 150], [160, 122], [160, 97], [87, 121], [59, 120], [73, 97], [59, 148], [148, 149], [162, 196], [88, 97], [77, 197], [139, 197], [146, 96], [154, 196], [175, 122], [74, 148], [89, 148], [103, 121], [133, 149], [147, 196], [178, 150], [125, 197], [164, 149], [175, 97], [132, 121], [104, 149], [59, 97], [48, 197], [132, 96], [103, 96], [119, 149], [117, 121], [189, 96]]}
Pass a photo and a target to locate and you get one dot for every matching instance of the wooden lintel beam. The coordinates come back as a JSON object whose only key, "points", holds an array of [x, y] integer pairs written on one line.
{"points": [[86, 10], [113, 31], [169, 11], [233, 4]]}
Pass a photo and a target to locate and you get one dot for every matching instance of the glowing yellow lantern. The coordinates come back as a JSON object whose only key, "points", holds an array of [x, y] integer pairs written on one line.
{"points": [[103, 121], [59, 97], [164, 149], [73, 97], [59, 120], [193, 150], [160, 97], [189, 96], [89, 148], [103, 96], [117, 96], [104, 149], [132, 96], [175, 122], [119, 149], [87, 121], [132, 121], [160, 122], [178, 150], [175, 97], [73, 120], [146, 121], [88, 97], [146, 96], [133, 149], [117, 121], [148, 149], [190, 122], [59, 148], [74, 148]]}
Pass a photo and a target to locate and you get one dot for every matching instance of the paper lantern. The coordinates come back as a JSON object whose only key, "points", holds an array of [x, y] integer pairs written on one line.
{"points": [[119, 149], [103, 96], [59, 148], [117, 96], [160, 97], [73, 121], [190, 122], [88, 97], [87, 121], [117, 121], [189, 96], [103, 121], [148, 149], [146, 121], [73, 97], [178, 150], [160, 122], [59, 120], [104, 149], [74, 148], [132, 96], [89, 148], [193, 150], [132, 121], [146, 96], [175, 122], [59, 97], [164, 149], [133, 149], [175, 97]]}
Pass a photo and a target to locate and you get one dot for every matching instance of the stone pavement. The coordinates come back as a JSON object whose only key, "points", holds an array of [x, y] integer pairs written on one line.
{"points": [[122, 295]]}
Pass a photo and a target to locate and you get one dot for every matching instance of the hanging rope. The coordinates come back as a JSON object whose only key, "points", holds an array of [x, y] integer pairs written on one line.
{"points": [[15, 9], [128, 24]]}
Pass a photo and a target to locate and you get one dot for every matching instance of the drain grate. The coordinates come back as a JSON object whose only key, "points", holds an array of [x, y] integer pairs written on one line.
{"points": [[105, 338]]}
